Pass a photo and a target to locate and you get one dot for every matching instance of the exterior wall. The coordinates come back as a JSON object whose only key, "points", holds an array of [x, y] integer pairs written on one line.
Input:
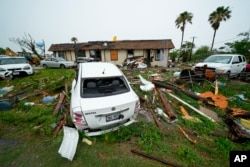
{"points": [[70, 55], [163, 62], [122, 55]]}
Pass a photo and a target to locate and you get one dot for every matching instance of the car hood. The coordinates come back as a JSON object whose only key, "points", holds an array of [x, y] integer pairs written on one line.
{"points": [[212, 65]]}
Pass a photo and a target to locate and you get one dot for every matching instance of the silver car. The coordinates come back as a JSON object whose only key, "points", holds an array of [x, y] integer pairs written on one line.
{"points": [[57, 62]]}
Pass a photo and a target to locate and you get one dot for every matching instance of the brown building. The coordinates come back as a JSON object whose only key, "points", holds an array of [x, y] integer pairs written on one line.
{"points": [[116, 51]]}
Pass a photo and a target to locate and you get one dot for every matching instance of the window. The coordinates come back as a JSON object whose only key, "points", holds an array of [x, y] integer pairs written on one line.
{"points": [[13, 61], [159, 55], [236, 60], [130, 53], [100, 87], [61, 54], [96, 54], [81, 53]]}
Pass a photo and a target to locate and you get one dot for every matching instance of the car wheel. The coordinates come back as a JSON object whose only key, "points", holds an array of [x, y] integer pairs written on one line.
{"points": [[9, 77], [228, 75], [45, 66], [62, 66]]}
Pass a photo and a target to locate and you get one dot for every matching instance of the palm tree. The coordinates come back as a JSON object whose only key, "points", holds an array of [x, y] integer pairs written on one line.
{"points": [[219, 15], [74, 39], [181, 22]]}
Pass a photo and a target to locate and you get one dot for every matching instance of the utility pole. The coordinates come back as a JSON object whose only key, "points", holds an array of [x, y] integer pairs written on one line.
{"points": [[192, 48]]}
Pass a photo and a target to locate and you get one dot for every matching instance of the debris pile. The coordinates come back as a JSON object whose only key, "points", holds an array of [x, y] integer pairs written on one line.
{"points": [[238, 120]]}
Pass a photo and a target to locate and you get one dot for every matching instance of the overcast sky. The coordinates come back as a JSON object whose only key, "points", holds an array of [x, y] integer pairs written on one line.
{"points": [[57, 21]]}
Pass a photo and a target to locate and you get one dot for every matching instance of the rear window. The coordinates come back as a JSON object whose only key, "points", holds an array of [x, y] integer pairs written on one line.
{"points": [[101, 87], [13, 61]]}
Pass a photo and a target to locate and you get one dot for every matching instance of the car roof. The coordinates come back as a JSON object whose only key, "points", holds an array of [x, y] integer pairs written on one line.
{"points": [[99, 69], [226, 55]]}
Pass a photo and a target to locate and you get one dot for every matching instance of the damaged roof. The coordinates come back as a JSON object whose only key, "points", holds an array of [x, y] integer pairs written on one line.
{"points": [[123, 44]]}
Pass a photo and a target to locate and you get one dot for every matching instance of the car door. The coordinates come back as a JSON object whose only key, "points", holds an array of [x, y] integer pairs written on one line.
{"points": [[54, 63], [236, 65], [48, 62]]}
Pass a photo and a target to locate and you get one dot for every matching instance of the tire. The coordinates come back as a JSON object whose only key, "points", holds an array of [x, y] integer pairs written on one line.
{"points": [[45, 66], [9, 77], [228, 75], [62, 66]]}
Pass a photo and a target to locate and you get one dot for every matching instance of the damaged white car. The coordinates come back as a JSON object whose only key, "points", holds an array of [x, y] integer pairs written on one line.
{"points": [[102, 99]]}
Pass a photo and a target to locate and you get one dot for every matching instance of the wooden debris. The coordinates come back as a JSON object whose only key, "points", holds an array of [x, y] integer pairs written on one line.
{"points": [[196, 110], [187, 116], [62, 122], [59, 104], [154, 158], [236, 112], [167, 106], [218, 100], [186, 135], [155, 119]]}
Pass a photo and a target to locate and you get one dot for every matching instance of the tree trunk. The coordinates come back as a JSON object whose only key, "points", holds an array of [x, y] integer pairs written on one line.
{"points": [[213, 41]]}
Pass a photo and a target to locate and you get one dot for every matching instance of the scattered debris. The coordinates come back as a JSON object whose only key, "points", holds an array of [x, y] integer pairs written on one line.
{"points": [[69, 143], [146, 85], [217, 100], [5, 90], [158, 124], [5, 105], [60, 102], [62, 122], [167, 106], [187, 116], [85, 140], [186, 135], [196, 110], [49, 99], [245, 123], [210, 113], [164, 116], [154, 158]]}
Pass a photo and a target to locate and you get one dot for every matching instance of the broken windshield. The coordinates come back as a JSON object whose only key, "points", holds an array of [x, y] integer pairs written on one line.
{"points": [[100, 87]]}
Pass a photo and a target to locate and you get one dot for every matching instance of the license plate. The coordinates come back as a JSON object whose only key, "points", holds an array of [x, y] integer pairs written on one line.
{"points": [[16, 73], [112, 117]]}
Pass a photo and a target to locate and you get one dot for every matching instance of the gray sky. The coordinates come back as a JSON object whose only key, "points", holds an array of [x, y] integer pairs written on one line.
{"points": [[57, 21]]}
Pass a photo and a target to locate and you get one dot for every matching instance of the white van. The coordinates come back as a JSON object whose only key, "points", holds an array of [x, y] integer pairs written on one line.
{"points": [[12, 66]]}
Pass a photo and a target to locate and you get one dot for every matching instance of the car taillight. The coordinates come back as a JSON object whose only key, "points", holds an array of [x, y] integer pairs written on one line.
{"points": [[78, 119]]}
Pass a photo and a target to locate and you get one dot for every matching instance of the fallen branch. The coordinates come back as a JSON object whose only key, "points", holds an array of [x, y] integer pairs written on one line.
{"points": [[154, 158], [155, 119], [186, 135]]}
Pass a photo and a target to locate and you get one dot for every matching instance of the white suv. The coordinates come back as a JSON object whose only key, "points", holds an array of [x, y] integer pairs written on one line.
{"points": [[11, 66], [229, 64], [102, 99]]}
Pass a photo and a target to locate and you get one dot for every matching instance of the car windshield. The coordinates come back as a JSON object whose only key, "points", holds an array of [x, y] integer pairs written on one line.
{"points": [[218, 59], [100, 87], [13, 61]]}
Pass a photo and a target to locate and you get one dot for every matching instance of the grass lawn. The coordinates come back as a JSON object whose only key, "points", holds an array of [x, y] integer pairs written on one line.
{"points": [[26, 132]]}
